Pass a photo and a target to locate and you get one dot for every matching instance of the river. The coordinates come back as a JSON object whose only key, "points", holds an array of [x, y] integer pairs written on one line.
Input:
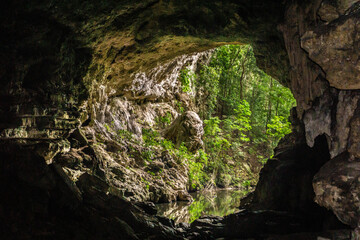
{"points": [[216, 202]]}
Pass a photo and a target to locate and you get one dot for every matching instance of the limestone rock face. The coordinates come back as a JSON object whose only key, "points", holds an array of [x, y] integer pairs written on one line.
{"points": [[335, 48], [338, 123], [331, 10], [187, 129], [354, 136], [285, 181], [337, 187], [346, 120], [44, 200], [328, 11], [325, 104], [317, 120]]}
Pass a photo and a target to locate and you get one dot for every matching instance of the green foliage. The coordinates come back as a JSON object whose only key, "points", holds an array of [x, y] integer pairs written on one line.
{"points": [[164, 120], [150, 137], [245, 113], [186, 78], [167, 145], [202, 157], [124, 134], [196, 209], [212, 126], [196, 174], [278, 127], [242, 122], [147, 155], [207, 90], [107, 127], [147, 184], [153, 143], [180, 108]]}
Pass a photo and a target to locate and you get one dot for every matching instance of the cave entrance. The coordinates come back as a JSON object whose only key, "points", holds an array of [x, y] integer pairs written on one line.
{"points": [[245, 114]]}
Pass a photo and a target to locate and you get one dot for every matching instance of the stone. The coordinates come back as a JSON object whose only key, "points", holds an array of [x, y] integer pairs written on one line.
{"points": [[334, 47], [285, 182], [148, 207], [337, 187], [354, 136], [168, 160], [317, 120], [332, 9], [71, 159], [307, 79], [184, 196], [188, 129], [79, 137], [156, 166], [48, 150], [345, 111], [328, 11], [166, 221]]}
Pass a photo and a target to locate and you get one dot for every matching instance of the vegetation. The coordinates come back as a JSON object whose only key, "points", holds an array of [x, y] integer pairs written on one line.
{"points": [[164, 120], [217, 203], [245, 112], [186, 78], [220, 204], [153, 143]]}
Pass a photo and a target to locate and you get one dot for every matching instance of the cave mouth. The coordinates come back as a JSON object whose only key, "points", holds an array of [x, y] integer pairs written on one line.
{"points": [[72, 137], [245, 113]]}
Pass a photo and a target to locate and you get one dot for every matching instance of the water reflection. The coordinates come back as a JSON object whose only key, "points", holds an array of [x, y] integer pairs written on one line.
{"points": [[217, 202]]}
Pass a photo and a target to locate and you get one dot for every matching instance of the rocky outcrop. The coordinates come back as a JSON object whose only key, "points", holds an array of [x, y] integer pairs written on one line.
{"points": [[331, 10], [324, 110], [334, 47], [307, 80], [336, 187], [41, 201], [121, 165], [187, 129], [345, 111], [286, 180]]}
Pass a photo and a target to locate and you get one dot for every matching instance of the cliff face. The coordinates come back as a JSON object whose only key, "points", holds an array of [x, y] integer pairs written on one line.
{"points": [[320, 38], [74, 73]]}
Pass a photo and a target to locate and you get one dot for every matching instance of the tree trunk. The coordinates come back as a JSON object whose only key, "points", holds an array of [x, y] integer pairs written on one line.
{"points": [[269, 106]]}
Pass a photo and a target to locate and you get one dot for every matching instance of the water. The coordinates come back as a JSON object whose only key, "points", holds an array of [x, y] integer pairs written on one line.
{"points": [[217, 203]]}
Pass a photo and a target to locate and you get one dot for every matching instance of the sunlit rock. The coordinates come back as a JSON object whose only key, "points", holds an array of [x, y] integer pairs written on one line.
{"points": [[162, 82], [188, 129]]}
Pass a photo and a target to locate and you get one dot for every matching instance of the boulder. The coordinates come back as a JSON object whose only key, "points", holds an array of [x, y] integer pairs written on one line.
{"points": [[184, 196], [337, 187], [187, 129]]}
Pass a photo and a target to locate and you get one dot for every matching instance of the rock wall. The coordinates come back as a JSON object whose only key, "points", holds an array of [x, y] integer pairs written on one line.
{"points": [[320, 38], [119, 122]]}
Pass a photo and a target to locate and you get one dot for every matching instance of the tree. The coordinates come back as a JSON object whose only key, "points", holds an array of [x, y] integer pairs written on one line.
{"points": [[245, 112]]}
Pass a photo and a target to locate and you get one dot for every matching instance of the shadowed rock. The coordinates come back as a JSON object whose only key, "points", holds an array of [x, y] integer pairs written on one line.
{"points": [[337, 187]]}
